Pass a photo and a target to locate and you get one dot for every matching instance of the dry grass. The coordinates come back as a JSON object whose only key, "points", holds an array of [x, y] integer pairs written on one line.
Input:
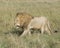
{"points": [[8, 10]]}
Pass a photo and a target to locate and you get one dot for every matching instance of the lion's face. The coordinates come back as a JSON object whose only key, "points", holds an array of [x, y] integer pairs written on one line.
{"points": [[17, 22], [22, 20]]}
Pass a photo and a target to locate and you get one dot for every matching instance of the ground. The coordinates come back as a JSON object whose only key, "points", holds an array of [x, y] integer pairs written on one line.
{"points": [[8, 10]]}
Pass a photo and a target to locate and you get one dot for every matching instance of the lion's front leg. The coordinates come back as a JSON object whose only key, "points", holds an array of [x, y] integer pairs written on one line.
{"points": [[26, 31]]}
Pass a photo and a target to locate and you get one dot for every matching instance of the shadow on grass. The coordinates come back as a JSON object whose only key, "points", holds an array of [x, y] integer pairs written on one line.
{"points": [[15, 31]]}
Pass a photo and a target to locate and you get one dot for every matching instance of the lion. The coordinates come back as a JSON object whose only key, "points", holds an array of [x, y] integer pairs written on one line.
{"points": [[41, 23], [22, 20]]}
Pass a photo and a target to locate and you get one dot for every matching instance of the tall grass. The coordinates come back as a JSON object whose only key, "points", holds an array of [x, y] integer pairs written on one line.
{"points": [[8, 10]]}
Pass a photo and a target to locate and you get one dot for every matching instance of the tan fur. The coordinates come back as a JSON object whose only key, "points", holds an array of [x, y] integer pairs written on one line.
{"points": [[23, 19], [41, 23]]}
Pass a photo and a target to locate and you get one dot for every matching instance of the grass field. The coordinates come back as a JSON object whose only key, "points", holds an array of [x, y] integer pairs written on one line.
{"points": [[48, 8]]}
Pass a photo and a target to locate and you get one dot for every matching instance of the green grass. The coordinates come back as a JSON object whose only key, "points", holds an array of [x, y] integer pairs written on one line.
{"points": [[8, 10]]}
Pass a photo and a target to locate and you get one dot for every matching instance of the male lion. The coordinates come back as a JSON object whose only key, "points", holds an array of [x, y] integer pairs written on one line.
{"points": [[22, 20], [41, 23]]}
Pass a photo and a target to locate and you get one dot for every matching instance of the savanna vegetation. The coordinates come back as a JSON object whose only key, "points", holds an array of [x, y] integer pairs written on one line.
{"points": [[48, 8]]}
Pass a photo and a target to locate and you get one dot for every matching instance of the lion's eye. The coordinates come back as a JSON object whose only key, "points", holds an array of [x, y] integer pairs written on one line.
{"points": [[17, 20]]}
